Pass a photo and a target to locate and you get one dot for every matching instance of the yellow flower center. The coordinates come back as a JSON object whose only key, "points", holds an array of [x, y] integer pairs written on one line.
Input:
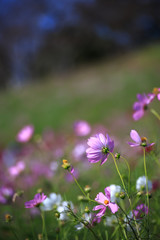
{"points": [[155, 91], [106, 202], [65, 161], [143, 139]]}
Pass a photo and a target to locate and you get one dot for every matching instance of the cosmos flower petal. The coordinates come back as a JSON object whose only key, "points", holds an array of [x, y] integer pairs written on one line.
{"points": [[137, 106], [91, 150], [98, 207], [114, 207], [135, 136], [94, 143], [158, 96], [104, 160], [107, 192], [101, 212], [99, 148], [102, 139], [138, 114], [100, 198], [133, 144]]}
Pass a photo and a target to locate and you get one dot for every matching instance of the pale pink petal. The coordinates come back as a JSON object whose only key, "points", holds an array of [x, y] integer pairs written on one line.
{"points": [[133, 144], [158, 96], [98, 207], [101, 212], [107, 192], [100, 198], [113, 206], [102, 139], [135, 136], [138, 114]]}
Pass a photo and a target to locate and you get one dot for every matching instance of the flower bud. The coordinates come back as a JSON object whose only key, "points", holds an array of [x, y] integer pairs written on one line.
{"points": [[140, 193], [87, 189], [122, 195], [39, 190], [117, 155], [87, 210], [57, 215], [66, 165], [8, 218], [82, 198]]}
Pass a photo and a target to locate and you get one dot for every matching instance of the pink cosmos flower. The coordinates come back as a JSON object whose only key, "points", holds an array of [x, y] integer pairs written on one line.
{"points": [[25, 134], [155, 93], [99, 148], [140, 211], [141, 106], [139, 141], [104, 200], [38, 199], [14, 171], [82, 128]]}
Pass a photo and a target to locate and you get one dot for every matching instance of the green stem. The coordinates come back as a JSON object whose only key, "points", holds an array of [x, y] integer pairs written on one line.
{"points": [[44, 233], [89, 199], [129, 173], [126, 192], [155, 113], [145, 170]]}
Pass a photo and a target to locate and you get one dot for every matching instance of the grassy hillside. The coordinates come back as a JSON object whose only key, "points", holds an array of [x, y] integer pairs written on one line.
{"points": [[95, 93]]}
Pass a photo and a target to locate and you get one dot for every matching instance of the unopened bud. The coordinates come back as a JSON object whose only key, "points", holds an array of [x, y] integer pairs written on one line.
{"points": [[87, 189], [57, 215], [66, 164], [117, 155], [82, 198], [140, 193], [87, 210], [8, 218], [39, 190], [122, 195]]}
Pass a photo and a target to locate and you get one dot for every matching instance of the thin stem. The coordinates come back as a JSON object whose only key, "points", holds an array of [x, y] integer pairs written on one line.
{"points": [[44, 233], [125, 191], [119, 174], [79, 185], [85, 223], [145, 170], [122, 228], [89, 199], [128, 221], [129, 173], [155, 113]]}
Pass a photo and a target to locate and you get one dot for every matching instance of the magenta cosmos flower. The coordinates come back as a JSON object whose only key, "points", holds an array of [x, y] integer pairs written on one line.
{"points": [[141, 106], [155, 93], [38, 199], [104, 201], [138, 141], [81, 128], [140, 211], [99, 148], [25, 134]]}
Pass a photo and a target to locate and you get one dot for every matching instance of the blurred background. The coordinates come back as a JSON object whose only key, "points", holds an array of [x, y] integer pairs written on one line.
{"points": [[56, 56], [63, 61]]}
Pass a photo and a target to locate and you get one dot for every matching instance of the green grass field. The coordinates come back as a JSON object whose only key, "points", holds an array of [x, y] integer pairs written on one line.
{"points": [[95, 93]]}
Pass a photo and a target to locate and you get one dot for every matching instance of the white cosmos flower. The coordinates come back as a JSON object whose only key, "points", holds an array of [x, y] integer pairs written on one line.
{"points": [[141, 184], [63, 209], [51, 201], [115, 191]]}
